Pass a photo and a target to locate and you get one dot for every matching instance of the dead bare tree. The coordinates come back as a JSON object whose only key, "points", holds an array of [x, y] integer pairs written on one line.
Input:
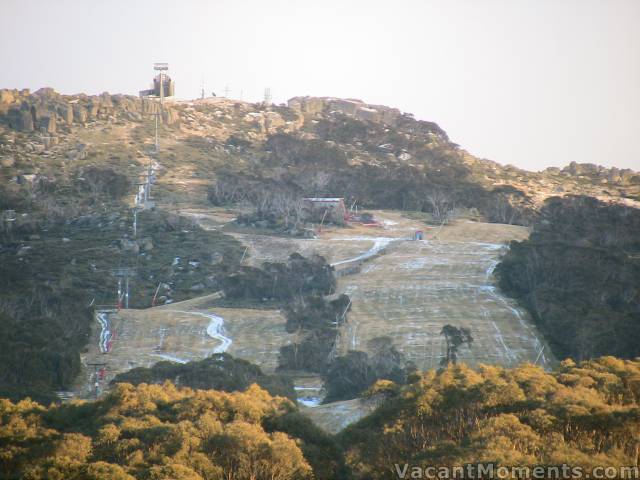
{"points": [[502, 210], [442, 205]]}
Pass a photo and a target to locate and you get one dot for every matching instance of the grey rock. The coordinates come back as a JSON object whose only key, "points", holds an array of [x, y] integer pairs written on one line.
{"points": [[146, 244], [128, 245]]}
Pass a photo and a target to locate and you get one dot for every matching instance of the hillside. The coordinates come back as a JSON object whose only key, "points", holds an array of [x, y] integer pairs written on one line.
{"points": [[582, 415], [228, 219], [374, 155]]}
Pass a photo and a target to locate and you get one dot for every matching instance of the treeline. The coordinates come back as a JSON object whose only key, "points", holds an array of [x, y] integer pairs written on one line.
{"points": [[220, 371], [160, 432], [280, 281], [579, 276], [304, 288], [351, 375], [583, 415], [296, 166]]}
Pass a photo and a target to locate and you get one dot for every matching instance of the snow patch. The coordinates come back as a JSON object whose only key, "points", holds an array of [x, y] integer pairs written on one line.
{"points": [[310, 401], [379, 244], [170, 358], [215, 330]]}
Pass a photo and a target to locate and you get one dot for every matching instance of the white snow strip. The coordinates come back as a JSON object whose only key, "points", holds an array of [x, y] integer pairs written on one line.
{"points": [[215, 330], [379, 244], [489, 246], [310, 401], [415, 264], [491, 268], [354, 341], [501, 340], [105, 334], [171, 358]]}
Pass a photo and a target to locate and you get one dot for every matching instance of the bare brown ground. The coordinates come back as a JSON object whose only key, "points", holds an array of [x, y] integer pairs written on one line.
{"points": [[417, 287], [178, 332], [335, 416]]}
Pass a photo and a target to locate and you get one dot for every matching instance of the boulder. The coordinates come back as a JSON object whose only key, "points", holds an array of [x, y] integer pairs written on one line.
{"points": [[7, 162], [92, 110], [170, 116], [6, 96], [66, 113], [25, 121], [216, 258], [146, 244], [46, 93], [80, 114], [48, 122], [133, 116], [128, 245], [308, 105], [345, 105], [368, 114], [272, 121], [150, 106]]}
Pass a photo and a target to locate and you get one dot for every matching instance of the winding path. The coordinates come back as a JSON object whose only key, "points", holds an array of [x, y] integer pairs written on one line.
{"points": [[379, 244], [106, 336], [215, 329]]}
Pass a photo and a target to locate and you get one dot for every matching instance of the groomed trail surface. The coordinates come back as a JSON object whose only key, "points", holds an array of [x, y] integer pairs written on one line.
{"points": [[417, 287], [183, 332]]}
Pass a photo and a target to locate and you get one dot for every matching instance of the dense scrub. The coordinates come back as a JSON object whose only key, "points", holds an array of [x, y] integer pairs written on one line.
{"points": [[302, 287], [299, 276], [160, 432], [582, 415], [315, 320], [218, 372], [351, 375], [579, 276], [340, 156]]}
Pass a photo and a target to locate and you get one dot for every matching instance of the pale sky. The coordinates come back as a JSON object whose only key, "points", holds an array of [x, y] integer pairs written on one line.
{"points": [[533, 83]]}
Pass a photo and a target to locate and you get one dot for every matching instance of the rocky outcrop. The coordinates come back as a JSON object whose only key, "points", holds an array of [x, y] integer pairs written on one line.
{"points": [[307, 105], [50, 111], [598, 172], [80, 114], [170, 116], [66, 113], [6, 97], [356, 108], [48, 123], [24, 121]]}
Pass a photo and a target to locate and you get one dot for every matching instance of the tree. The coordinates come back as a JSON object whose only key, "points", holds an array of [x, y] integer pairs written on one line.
{"points": [[454, 338], [442, 205]]}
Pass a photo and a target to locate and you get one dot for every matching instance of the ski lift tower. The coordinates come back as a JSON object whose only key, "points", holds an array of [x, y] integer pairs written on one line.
{"points": [[123, 274], [161, 68]]}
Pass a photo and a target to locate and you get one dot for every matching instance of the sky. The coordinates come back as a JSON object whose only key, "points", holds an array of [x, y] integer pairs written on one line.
{"points": [[532, 83]]}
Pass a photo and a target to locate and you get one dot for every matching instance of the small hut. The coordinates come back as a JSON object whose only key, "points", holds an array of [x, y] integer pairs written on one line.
{"points": [[333, 209]]}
